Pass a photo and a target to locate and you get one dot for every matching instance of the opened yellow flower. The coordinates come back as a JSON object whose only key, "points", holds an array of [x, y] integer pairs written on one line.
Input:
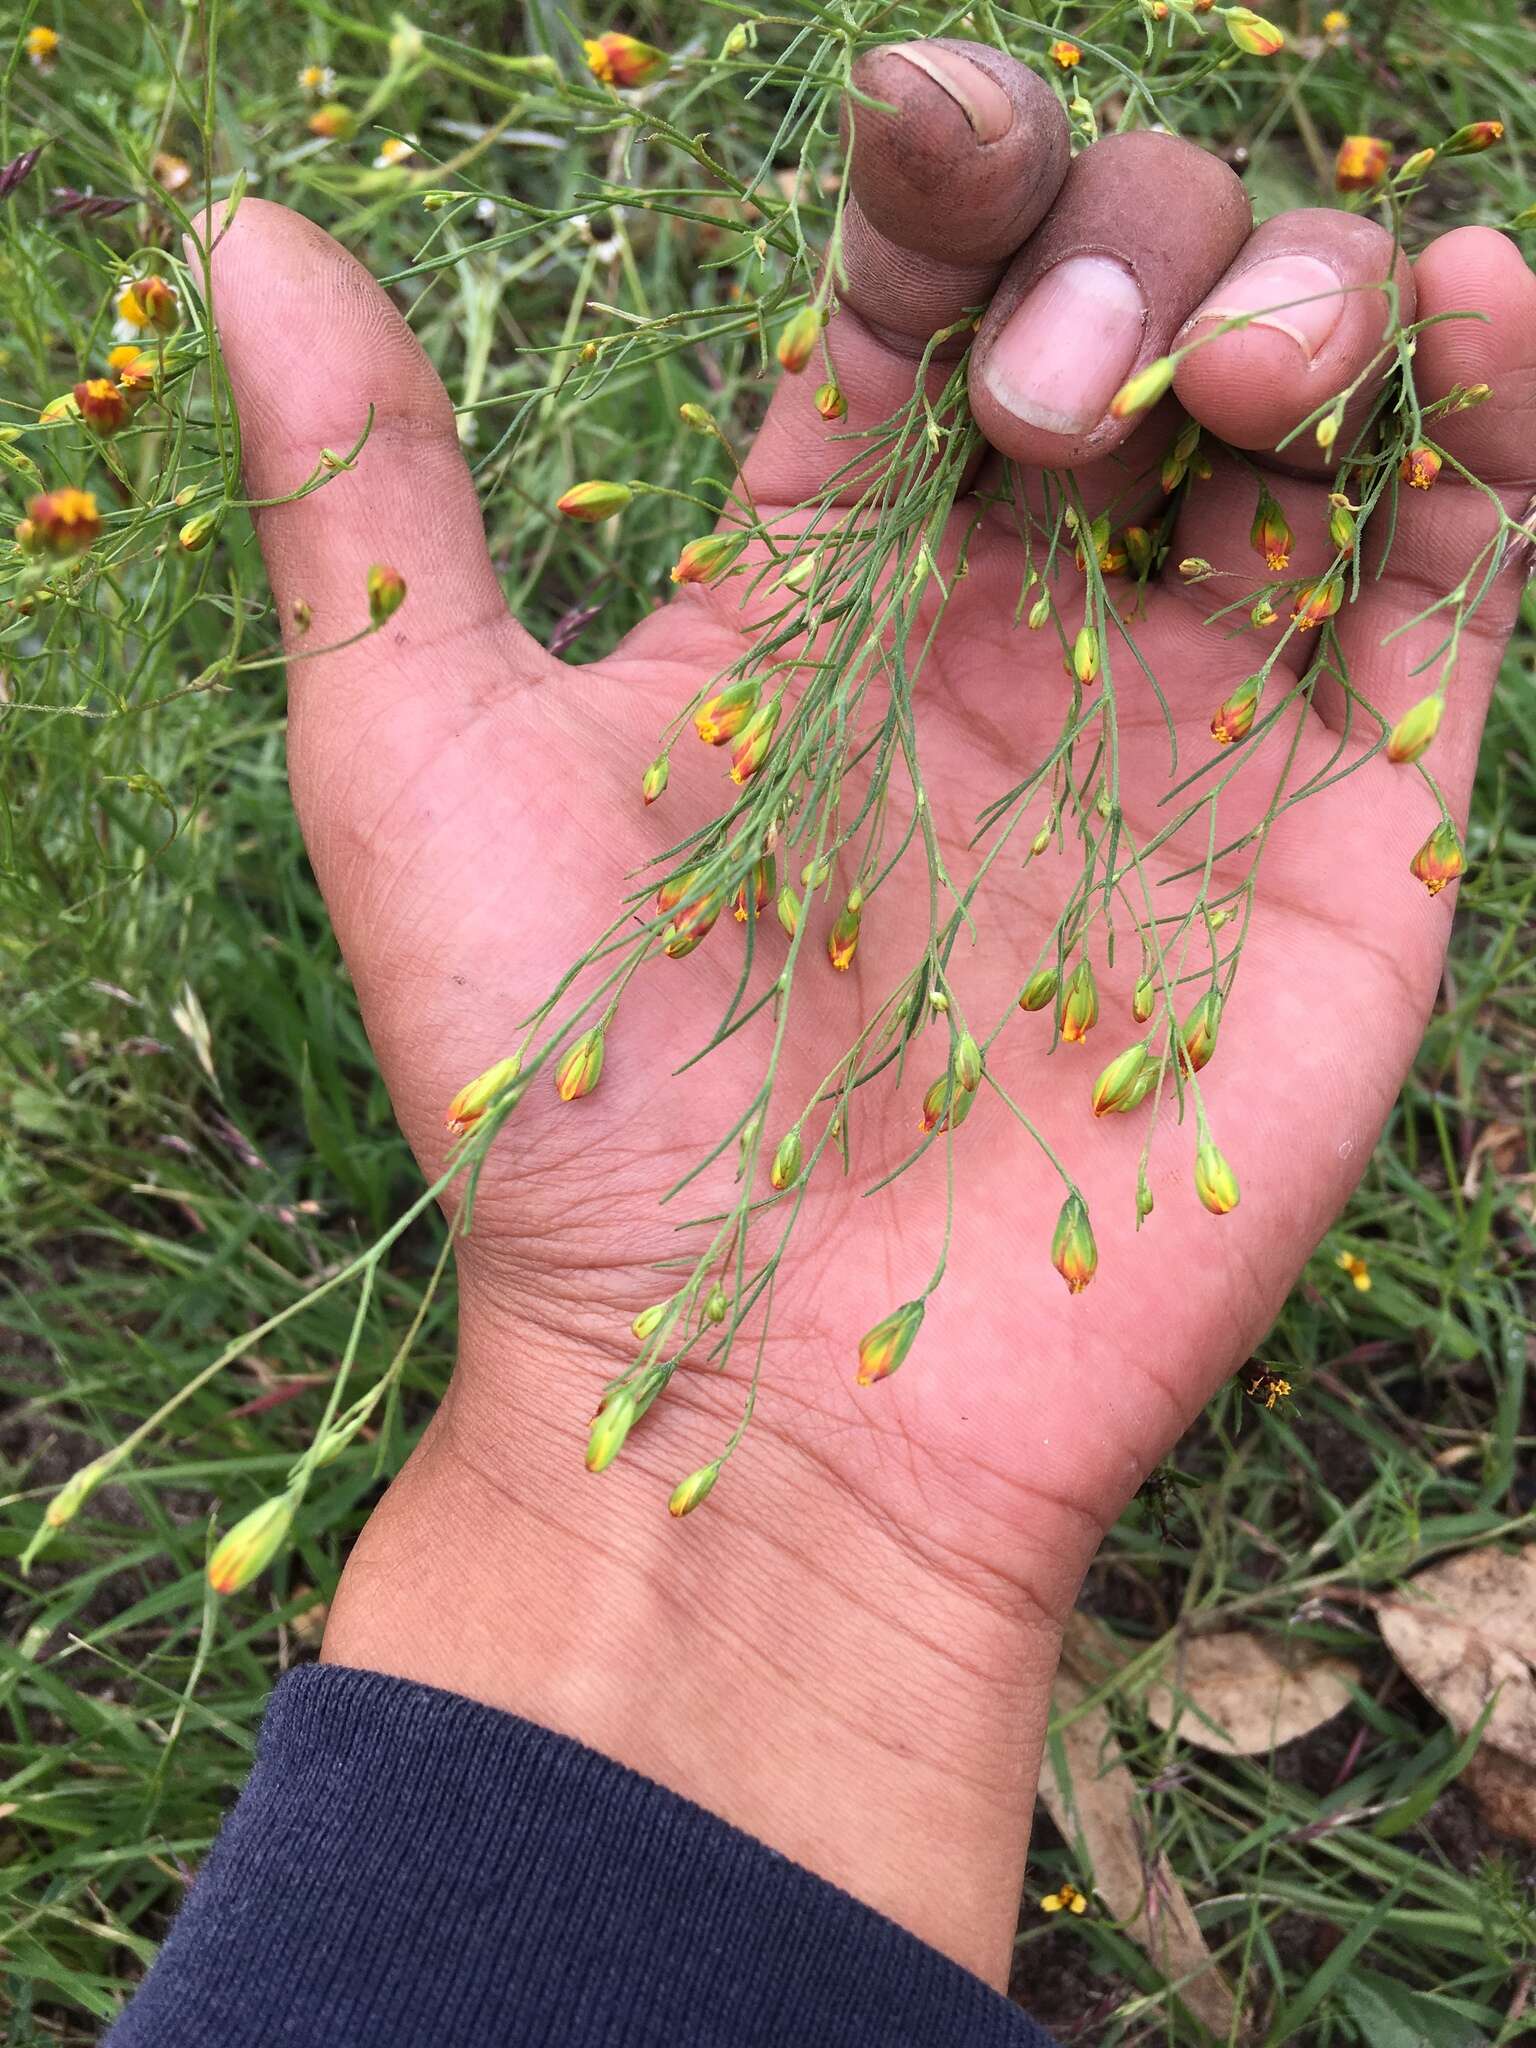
{"points": [[1358, 1271], [1065, 1899], [42, 46]]}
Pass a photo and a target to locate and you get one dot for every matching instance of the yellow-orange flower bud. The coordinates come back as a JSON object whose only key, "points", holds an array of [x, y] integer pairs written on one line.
{"points": [[64, 522], [386, 592], [722, 716], [798, 341], [195, 535], [597, 499], [580, 1066], [649, 1321], [755, 892], [789, 910], [1271, 533], [689, 1492], [1143, 997], [945, 1106], [693, 924], [623, 60], [101, 405], [1264, 613], [1139, 548], [250, 1546], [1419, 468], [785, 1170], [654, 781], [1362, 161], [1144, 389], [476, 1097], [1215, 1182], [754, 740], [333, 122], [1080, 1004], [843, 939], [1197, 1040], [695, 416], [1119, 1086], [1318, 602], [1073, 1251], [1234, 716], [1474, 138], [616, 1416], [1085, 655], [1066, 55], [675, 888], [1253, 35], [1342, 524], [882, 1349], [705, 559], [1416, 165], [830, 402], [1411, 736], [1039, 992], [1440, 859], [967, 1063]]}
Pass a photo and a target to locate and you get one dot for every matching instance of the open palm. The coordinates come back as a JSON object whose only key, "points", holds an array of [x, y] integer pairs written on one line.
{"points": [[472, 810]]}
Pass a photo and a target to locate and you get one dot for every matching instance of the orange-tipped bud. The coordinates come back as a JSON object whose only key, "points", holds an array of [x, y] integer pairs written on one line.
{"points": [[1318, 602], [830, 402], [722, 716], [696, 417], [386, 592], [1197, 1040], [1080, 1004], [654, 781], [65, 522], [101, 405], [1067, 55], [623, 60], [674, 889], [1419, 468], [689, 1492], [789, 910], [1342, 524], [785, 1170], [798, 341], [158, 306], [1411, 736], [1144, 389], [334, 122], [580, 1066], [843, 939], [1235, 714], [945, 1106], [693, 924], [1271, 534], [754, 740], [251, 1545], [1120, 1086], [594, 500], [755, 892], [1073, 1251], [1143, 996], [1416, 165], [882, 1349], [1362, 161], [1253, 35], [1215, 1182], [967, 1063], [196, 534], [1473, 139], [706, 559], [1440, 859], [1085, 655], [615, 1417], [1139, 549], [476, 1097], [1039, 992]]}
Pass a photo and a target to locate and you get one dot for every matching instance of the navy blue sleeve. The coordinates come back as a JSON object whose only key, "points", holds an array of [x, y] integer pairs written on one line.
{"points": [[408, 1869]]}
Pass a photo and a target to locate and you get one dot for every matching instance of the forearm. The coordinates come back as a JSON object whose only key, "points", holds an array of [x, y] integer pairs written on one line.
{"points": [[832, 1687]]}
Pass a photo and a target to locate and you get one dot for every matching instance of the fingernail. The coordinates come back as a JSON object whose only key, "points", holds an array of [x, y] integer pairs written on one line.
{"points": [[1295, 295], [1069, 346], [981, 99]]}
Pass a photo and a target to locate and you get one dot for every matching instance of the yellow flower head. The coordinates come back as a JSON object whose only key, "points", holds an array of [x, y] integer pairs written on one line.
{"points": [[43, 47], [1358, 1271], [1065, 1899]]}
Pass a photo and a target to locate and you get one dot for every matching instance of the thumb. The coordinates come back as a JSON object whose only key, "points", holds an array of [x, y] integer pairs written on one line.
{"points": [[311, 343]]}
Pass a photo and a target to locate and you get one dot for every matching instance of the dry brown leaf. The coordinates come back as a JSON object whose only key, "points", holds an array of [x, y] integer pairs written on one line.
{"points": [[1466, 1629], [1093, 1801], [1242, 1696], [1505, 1791], [1501, 1145]]}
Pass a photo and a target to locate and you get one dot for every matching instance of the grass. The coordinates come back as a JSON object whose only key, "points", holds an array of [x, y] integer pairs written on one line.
{"points": [[195, 1132]]}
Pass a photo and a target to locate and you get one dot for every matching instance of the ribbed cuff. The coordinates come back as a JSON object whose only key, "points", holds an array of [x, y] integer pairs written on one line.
{"points": [[408, 1869]]}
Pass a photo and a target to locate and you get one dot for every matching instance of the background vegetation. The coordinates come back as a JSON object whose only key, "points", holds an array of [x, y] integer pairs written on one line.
{"points": [[193, 1129]]}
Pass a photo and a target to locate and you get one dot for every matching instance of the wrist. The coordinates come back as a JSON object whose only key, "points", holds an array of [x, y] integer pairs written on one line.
{"points": [[821, 1680]]}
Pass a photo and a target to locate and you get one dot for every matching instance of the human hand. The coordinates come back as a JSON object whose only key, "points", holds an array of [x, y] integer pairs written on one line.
{"points": [[849, 1652]]}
